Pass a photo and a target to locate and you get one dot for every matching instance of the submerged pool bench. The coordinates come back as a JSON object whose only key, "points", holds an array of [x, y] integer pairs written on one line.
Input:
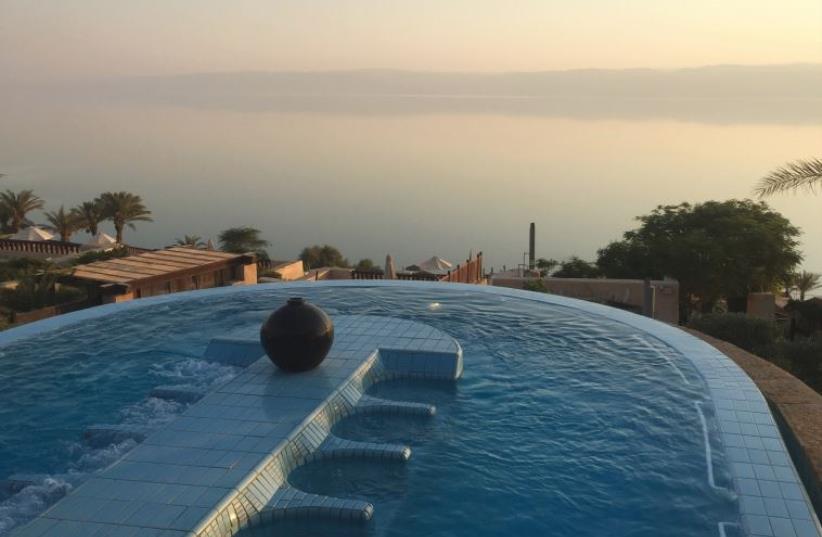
{"points": [[223, 464]]}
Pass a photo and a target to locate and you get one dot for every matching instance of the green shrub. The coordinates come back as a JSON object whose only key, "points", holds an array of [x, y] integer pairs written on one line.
{"points": [[67, 293], [535, 285], [803, 358], [755, 335], [98, 255], [12, 268]]}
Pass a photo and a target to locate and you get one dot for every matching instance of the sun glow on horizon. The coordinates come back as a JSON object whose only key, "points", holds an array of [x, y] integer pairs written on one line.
{"points": [[96, 37]]}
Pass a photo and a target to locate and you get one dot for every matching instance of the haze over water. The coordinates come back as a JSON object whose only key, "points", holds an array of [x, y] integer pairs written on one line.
{"points": [[411, 176], [493, 119]]}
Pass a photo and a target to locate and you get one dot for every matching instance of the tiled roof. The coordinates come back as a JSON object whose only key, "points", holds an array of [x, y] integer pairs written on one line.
{"points": [[157, 264]]}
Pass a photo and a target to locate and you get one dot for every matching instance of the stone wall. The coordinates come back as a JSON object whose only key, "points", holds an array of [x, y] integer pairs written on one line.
{"points": [[626, 292]]}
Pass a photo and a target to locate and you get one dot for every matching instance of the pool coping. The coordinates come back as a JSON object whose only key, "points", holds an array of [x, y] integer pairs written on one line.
{"points": [[773, 501], [798, 410]]}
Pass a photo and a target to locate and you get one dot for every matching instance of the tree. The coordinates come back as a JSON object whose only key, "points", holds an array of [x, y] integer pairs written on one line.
{"points": [[788, 283], [35, 289], [89, 214], [797, 175], [574, 267], [63, 223], [123, 209], [240, 240], [15, 206], [365, 264], [545, 266], [807, 281], [191, 241], [322, 256], [715, 249]]}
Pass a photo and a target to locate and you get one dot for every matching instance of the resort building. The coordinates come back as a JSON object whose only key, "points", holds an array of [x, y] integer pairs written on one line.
{"points": [[161, 272], [281, 270]]}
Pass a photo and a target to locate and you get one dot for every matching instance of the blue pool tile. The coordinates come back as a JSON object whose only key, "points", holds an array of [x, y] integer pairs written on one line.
{"points": [[748, 486], [798, 509], [782, 527], [791, 491], [805, 528], [764, 471], [753, 505], [776, 507], [784, 473], [155, 515], [770, 489], [759, 525]]}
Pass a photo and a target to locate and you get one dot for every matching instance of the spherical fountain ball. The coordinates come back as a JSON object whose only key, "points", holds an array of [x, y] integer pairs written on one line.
{"points": [[298, 336]]}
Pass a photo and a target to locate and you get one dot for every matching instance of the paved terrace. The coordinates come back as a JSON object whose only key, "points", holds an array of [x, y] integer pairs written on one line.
{"points": [[223, 464]]}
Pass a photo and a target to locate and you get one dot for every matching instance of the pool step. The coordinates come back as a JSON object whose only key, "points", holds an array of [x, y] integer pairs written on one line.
{"points": [[233, 351], [335, 447], [289, 502], [104, 434], [375, 405], [181, 394]]}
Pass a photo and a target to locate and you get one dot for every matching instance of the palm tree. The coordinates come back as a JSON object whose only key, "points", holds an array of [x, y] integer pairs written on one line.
{"points": [[16, 205], [123, 209], [243, 239], [800, 174], [807, 281], [63, 223], [191, 241], [89, 214]]}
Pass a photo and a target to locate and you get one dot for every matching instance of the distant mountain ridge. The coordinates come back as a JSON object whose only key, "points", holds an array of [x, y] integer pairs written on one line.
{"points": [[798, 81], [782, 94]]}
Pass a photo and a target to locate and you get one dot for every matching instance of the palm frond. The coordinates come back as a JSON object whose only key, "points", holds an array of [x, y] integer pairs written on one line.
{"points": [[797, 175]]}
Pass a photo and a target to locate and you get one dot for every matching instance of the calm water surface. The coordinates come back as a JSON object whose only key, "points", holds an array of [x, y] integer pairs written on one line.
{"points": [[411, 182]]}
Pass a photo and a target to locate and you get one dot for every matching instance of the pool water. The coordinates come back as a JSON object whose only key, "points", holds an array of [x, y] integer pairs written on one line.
{"points": [[564, 423]]}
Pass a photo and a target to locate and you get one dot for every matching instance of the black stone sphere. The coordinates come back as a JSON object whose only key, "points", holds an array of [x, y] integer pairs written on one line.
{"points": [[298, 336]]}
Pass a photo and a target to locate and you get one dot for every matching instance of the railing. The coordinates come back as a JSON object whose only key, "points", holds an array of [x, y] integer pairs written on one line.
{"points": [[264, 265], [39, 247], [470, 272], [57, 248], [374, 274], [134, 250], [418, 276], [18, 317]]}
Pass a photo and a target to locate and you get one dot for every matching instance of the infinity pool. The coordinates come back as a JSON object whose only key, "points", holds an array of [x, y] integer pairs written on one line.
{"points": [[564, 423]]}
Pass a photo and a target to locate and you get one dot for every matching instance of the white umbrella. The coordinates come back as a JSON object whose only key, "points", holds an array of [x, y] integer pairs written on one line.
{"points": [[390, 269], [435, 265], [32, 233], [210, 245], [101, 241]]}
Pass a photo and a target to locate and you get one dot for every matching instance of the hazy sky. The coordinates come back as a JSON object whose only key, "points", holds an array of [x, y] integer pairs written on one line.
{"points": [[103, 37]]}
